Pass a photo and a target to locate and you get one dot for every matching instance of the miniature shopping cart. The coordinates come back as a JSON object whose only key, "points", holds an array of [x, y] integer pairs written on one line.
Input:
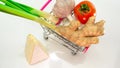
{"points": [[68, 44]]}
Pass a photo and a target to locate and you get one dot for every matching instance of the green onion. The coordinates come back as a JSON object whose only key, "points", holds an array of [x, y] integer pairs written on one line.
{"points": [[31, 10], [10, 4], [27, 12], [23, 14], [45, 23], [16, 12], [23, 7], [46, 15], [38, 12]]}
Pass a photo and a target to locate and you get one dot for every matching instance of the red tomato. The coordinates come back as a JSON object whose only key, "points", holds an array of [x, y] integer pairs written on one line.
{"points": [[84, 10]]}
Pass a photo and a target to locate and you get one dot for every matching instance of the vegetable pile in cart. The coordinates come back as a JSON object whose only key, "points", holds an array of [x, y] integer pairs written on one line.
{"points": [[81, 29]]}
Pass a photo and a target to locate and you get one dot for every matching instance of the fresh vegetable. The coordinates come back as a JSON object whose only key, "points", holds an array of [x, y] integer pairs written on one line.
{"points": [[88, 34], [27, 12], [84, 10], [63, 8]]}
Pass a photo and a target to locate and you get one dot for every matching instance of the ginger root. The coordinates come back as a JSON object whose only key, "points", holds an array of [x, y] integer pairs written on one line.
{"points": [[85, 36]]}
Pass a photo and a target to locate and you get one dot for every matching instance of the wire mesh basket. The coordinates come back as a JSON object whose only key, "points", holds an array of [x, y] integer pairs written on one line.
{"points": [[66, 43]]}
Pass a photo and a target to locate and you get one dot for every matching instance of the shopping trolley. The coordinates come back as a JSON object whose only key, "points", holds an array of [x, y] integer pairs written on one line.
{"points": [[66, 43]]}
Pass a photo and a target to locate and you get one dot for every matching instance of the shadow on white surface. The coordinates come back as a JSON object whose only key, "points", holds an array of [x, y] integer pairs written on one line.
{"points": [[59, 53], [72, 59], [60, 59]]}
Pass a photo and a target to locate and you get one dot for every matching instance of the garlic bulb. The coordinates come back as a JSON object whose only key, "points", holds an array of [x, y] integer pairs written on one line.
{"points": [[63, 8]]}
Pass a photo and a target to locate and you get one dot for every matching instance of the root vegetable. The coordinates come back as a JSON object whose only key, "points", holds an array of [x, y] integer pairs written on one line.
{"points": [[85, 36]]}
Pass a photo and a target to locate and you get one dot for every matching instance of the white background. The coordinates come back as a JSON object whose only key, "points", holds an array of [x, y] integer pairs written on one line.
{"points": [[106, 54]]}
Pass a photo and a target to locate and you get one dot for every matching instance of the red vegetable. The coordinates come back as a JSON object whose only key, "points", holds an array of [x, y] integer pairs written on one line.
{"points": [[84, 10]]}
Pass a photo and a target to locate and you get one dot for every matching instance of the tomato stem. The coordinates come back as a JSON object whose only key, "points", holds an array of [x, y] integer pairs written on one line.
{"points": [[84, 8]]}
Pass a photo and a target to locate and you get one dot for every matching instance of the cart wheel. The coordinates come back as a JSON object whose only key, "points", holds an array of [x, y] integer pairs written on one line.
{"points": [[45, 37], [74, 53]]}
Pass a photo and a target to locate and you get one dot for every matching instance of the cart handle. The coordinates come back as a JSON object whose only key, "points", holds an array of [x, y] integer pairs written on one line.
{"points": [[45, 5]]}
